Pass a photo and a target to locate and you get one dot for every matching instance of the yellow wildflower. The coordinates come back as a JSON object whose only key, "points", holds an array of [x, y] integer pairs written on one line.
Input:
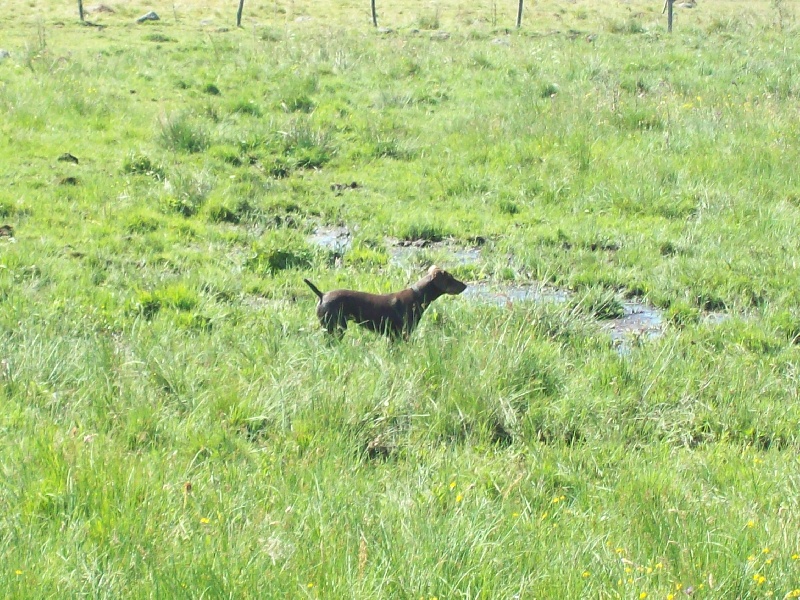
{"points": [[585, 574], [205, 520]]}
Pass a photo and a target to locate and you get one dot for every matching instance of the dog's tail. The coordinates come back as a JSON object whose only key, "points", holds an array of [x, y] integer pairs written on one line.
{"points": [[314, 289]]}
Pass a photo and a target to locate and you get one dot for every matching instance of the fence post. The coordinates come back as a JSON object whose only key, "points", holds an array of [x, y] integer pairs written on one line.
{"points": [[80, 9], [239, 14], [669, 15], [374, 16], [519, 15]]}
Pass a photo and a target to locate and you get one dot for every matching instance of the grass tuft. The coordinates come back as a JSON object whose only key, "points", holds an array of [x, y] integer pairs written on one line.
{"points": [[599, 303], [180, 134], [139, 164]]}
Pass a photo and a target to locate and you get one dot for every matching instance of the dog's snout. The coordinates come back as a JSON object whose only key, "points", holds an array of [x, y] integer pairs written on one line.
{"points": [[454, 286], [457, 287]]}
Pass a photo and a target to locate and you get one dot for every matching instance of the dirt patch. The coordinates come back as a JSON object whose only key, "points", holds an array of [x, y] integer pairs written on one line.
{"points": [[340, 187], [70, 158]]}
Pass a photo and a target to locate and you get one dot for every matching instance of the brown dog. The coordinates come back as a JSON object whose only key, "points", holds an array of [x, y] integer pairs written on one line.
{"points": [[391, 314]]}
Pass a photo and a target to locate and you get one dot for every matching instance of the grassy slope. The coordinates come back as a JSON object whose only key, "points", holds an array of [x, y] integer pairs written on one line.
{"points": [[156, 332]]}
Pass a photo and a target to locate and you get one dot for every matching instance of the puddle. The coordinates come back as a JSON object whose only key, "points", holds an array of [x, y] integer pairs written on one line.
{"points": [[402, 253], [335, 239], [467, 256], [508, 294], [639, 320], [715, 318]]}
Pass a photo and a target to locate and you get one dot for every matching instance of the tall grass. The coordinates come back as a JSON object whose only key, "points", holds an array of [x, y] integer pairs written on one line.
{"points": [[176, 423]]}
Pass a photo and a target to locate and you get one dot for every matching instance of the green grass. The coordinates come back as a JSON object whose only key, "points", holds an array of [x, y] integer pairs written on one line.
{"points": [[174, 422]]}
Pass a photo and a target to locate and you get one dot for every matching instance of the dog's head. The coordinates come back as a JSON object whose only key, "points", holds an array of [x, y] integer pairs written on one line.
{"points": [[446, 282]]}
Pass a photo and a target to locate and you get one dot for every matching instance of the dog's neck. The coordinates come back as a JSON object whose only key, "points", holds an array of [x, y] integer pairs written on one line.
{"points": [[425, 292]]}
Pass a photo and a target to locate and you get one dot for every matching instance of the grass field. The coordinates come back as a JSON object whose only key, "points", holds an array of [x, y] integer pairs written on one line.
{"points": [[174, 422]]}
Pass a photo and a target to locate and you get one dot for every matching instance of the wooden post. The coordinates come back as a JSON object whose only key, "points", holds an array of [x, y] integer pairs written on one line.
{"points": [[80, 9], [669, 15], [374, 15], [239, 14], [519, 15]]}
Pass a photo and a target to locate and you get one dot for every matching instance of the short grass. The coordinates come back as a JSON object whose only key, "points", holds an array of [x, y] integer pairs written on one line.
{"points": [[175, 424]]}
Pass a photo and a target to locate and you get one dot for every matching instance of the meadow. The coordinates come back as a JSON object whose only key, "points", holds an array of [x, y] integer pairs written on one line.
{"points": [[174, 422]]}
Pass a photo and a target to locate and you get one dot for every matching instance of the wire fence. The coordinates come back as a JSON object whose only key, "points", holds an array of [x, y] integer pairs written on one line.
{"points": [[496, 13]]}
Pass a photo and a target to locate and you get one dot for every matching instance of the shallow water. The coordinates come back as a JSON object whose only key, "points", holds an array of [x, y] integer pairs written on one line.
{"points": [[505, 295], [336, 239], [639, 321], [401, 254]]}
